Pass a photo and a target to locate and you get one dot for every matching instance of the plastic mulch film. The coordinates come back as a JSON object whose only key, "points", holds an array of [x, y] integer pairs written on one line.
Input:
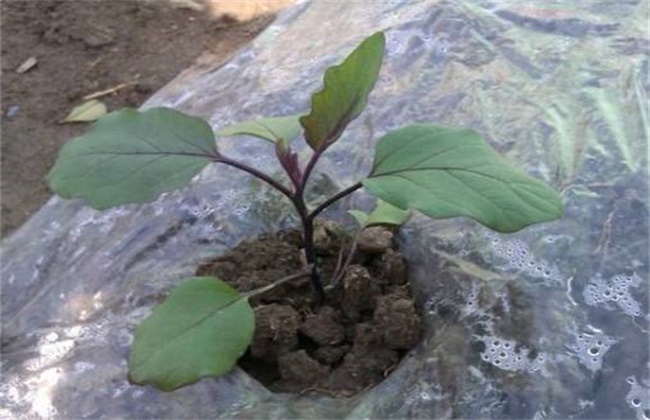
{"points": [[550, 322]]}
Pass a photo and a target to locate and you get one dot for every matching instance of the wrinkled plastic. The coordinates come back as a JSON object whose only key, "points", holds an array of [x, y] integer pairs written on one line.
{"points": [[550, 322]]}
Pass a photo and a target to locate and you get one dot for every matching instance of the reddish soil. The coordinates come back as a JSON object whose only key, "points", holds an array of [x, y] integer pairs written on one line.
{"points": [[368, 322]]}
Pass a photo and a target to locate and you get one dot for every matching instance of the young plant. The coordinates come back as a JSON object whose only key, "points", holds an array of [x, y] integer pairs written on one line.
{"points": [[204, 325]]}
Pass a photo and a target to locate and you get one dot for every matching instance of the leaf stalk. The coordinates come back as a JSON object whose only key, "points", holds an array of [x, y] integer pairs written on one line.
{"points": [[256, 173]]}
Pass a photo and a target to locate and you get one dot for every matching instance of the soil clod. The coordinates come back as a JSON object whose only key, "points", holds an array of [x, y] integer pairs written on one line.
{"points": [[368, 322], [375, 240]]}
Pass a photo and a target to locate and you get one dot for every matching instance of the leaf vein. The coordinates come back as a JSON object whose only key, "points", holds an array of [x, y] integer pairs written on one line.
{"points": [[192, 326]]}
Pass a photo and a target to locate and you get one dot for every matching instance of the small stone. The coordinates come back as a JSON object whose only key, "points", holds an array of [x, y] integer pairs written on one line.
{"points": [[375, 240], [12, 111], [299, 367], [27, 65], [324, 328]]}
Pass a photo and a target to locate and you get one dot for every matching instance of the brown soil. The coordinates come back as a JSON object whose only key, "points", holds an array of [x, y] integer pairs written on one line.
{"points": [[353, 341], [83, 47]]}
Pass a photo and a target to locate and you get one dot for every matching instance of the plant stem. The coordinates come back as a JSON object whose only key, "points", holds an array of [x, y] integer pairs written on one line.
{"points": [[276, 283], [308, 229], [310, 251], [307, 172], [257, 174], [299, 203], [298, 200], [333, 199], [308, 223]]}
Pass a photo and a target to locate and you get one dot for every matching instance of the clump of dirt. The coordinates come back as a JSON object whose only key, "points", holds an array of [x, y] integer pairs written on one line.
{"points": [[367, 323]]}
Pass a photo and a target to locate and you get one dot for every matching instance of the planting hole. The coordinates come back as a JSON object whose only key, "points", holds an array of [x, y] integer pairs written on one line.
{"points": [[367, 324]]}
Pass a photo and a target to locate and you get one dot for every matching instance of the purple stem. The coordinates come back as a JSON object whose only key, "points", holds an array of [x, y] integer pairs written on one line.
{"points": [[334, 198], [257, 174], [307, 218], [299, 203]]}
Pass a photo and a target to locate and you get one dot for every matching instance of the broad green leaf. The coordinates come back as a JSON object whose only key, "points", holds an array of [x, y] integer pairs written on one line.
{"points": [[383, 214], [132, 157], [446, 172], [200, 330], [344, 94], [270, 129]]}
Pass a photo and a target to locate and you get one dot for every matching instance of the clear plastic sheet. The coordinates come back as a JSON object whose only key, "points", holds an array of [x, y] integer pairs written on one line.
{"points": [[551, 322]]}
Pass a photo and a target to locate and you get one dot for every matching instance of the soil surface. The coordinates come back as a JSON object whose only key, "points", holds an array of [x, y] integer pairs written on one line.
{"points": [[368, 322], [82, 47]]}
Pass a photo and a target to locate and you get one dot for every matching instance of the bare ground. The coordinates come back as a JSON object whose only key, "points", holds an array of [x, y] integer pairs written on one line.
{"points": [[82, 47]]}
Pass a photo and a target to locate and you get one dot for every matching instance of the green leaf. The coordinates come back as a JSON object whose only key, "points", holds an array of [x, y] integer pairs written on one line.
{"points": [[383, 214], [200, 330], [360, 216], [132, 157], [446, 172], [270, 129], [344, 95], [387, 214]]}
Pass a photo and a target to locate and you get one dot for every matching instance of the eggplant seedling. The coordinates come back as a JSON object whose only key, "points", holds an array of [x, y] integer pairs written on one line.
{"points": [[204, 325]]}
